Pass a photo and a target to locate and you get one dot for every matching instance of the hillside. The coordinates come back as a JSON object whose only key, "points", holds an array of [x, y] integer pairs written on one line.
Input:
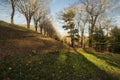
{"points": [[27, 55], [18, 40]]}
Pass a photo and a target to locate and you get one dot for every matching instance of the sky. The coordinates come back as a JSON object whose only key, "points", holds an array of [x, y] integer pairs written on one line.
{"points": [[56, 7]]}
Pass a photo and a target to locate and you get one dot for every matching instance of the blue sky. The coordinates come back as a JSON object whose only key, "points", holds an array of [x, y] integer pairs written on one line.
{"points": [[56, 7]]}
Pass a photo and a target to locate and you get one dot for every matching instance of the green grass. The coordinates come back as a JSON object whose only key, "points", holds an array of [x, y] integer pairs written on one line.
{"points": [[25, 55], [13, 26], [11, 31], [54, 65], [111, 58], [104, 62]]}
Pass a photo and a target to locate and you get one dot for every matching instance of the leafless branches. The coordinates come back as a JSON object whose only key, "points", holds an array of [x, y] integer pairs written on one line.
{"points": [[28, 8]]}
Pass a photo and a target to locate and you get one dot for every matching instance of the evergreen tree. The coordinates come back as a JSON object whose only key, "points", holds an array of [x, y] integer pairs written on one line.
{"points": [[68, 18], [115, 40], [99, 39]]}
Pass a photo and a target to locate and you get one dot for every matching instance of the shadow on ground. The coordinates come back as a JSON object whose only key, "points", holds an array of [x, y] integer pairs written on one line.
{"points": [[16, 40], [101, 64], [55, 65]]}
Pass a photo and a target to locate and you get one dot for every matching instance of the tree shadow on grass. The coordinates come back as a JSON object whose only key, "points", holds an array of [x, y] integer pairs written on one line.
{"points": [[113, 76], [112, 59], [7, 33], [54, 65]]}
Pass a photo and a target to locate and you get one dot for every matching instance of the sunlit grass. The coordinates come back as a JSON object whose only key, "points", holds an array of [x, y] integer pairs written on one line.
{"points": [[113, 59], [20, 64], [13, 26], [54, 65], [102, 64]]}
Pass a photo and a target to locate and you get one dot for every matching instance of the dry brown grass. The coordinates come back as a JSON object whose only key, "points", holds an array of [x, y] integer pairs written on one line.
{"points": [[18, 40]]}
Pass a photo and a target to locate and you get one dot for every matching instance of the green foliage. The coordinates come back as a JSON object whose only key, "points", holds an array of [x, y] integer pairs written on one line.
{"points": [[68, 19], [68, 15], [99, 40], [69, 25], [115, 40]]}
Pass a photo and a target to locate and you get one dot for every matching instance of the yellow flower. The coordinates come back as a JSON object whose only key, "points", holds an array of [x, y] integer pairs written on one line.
{"points": [[34, 51], [10, 68]]}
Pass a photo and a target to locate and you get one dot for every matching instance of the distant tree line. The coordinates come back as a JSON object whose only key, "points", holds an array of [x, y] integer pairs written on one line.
{"points": [[91, 16], [38, 10]]}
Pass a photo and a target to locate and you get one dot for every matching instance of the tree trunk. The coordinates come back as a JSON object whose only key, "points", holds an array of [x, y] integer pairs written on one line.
{"points": [[36, 27], [92, 30], [35, 24], [90, 40], [82, 36], [91, 37], [13, 12], [28, 24], [44, 32], [28, 19], [72, 42], [41, 29]]}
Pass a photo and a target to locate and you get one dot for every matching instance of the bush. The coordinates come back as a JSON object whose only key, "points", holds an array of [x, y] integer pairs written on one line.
{"points": [[115, 40]]}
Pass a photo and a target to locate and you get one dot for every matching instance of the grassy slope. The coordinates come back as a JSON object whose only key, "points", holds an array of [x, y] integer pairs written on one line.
{"points": [[18, 40], [103, 63], [111, 58], [20, 58], [57, 65]]}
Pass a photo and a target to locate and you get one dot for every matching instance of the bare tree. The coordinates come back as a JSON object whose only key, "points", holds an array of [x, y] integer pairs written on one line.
{"points": [[13, 11], [39, 16], [42, 21], [48, 28], [81, 19], [28, 8], [105, 22], [36, 17], [41, 13], [94, 8], [7, 4]]}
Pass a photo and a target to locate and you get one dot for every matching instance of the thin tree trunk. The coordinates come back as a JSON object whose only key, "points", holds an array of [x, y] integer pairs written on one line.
{"points": [[28, 24], [82, 35], [72, 42], [41, 29], [90, 41], [36, 27], [92, 30], [35, 24], [13, 11], [91, 37]]}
